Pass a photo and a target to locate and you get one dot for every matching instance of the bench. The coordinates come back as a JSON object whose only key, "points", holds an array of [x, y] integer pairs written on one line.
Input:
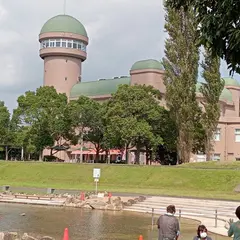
{"points": [[33, 197]]}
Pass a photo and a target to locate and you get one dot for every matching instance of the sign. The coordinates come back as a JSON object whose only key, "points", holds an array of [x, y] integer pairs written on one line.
{"points": [[96, 173]]}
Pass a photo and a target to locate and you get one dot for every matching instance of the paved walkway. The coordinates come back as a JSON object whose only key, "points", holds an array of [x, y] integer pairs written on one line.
{"points": [[197, 209], [46, 202]]}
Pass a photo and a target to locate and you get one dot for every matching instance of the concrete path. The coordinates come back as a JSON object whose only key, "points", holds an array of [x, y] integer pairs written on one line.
{"points": [[46, 202], [204, 211]]}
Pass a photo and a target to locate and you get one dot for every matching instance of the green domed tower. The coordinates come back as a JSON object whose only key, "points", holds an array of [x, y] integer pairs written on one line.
{"points": [[63, 47]]}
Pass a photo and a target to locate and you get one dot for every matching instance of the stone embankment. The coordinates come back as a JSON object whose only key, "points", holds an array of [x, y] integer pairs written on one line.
{"points": [[101, 201], [104, 203], [17, 236]]}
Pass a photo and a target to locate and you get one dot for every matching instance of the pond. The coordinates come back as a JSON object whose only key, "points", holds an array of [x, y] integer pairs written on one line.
{"points": [[84, 224]]}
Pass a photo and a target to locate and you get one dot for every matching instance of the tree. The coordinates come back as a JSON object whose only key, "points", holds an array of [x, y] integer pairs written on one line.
{"points": [[181, 71], [5, 133], [211, 91], [88, 121], [132, 114], [219, 26], [47, 115]]}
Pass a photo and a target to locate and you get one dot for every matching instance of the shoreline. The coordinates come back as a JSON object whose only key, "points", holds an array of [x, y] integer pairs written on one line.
{"points": [[61, 202], [39, 190]]}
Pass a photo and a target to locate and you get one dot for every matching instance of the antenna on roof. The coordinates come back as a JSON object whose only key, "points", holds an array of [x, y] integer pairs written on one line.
{"points": [[64, 7]]}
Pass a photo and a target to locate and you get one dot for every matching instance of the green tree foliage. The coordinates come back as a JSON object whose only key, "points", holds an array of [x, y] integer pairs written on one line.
{"points": [[4, 124], [5, 133], [134, 116], [211, 91], [181, 71], [219, 26], [88, 121], [47, 115]]}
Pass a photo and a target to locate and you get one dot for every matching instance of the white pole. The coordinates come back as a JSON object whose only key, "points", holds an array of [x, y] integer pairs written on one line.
{"points": [[96, 190], [64, 7]]}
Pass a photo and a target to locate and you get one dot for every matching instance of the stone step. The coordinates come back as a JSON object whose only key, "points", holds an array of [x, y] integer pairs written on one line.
{"points": [[186, 205], [183, 212], [191, 202], [184, 208]]}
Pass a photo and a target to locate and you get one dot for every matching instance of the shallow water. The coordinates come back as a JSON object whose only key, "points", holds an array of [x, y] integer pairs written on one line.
{"points": [[84, 224]]}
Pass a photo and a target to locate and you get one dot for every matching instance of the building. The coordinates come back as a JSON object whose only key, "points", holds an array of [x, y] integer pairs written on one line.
{"points": [[63, 46]]}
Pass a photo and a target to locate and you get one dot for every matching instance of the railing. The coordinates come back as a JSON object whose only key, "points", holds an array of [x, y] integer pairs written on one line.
{"points": [[205, 213]]}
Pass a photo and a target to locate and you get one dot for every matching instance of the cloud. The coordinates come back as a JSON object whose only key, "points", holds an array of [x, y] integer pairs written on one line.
{"points": [[120, 32]]}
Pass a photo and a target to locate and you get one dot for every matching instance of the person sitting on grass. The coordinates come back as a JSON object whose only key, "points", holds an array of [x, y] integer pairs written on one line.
{"points": [[202, 233], [234, 229]]}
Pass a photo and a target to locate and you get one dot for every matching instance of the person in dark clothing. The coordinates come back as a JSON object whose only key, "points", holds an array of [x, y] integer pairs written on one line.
{"points": [[168, 225], [234, 229], [202, 233]]}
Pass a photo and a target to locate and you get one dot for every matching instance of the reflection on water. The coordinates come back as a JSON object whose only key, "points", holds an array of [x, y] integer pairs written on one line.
{"points": [[84, 224]]}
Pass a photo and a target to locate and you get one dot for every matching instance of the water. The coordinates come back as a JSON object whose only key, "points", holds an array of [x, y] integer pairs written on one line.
{"points": [[84, 224]]}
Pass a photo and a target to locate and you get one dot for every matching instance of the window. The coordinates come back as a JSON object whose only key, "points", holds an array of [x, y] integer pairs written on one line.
{"points": [[216, 157], [69, 44], [52, 43], [58, 43], [217, 134], [64, 43], [237, 135], [83, 47], [75, 44]]}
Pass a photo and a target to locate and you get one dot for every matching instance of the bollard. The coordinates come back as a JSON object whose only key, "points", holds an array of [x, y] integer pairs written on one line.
{"points": [[110, 197], [216, 217], [180, 214], [82, 196], [140, 237], [5, 188], [65, 235], [50, 190], [152, 218]]}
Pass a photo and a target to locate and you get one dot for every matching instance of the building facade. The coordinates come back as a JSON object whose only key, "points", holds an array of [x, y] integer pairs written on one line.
{"points": [[63, 46]]}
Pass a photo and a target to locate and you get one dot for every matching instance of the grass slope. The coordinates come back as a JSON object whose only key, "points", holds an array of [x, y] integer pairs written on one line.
{"points": [[188, 180]]}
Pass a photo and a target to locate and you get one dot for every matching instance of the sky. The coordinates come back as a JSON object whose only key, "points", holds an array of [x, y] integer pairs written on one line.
{"points": [[120, 32]]}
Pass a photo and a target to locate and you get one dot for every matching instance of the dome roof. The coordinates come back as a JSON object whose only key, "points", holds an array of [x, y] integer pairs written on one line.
{"points": [[64, 23], [147, 64], [231, 82], [98, 88], [226, 95]]}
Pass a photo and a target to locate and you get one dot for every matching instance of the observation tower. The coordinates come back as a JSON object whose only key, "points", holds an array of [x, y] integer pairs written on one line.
{"points": [[63, 47]]}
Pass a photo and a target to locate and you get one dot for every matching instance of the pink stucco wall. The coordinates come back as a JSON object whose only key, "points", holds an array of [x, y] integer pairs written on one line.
{"points": [[62, 73]]}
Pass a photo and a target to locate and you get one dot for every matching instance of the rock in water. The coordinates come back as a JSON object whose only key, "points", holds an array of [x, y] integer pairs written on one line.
{"points": [[47, 238], [27, 237], [9, 236]]}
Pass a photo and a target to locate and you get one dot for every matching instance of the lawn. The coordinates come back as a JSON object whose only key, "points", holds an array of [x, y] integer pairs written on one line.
{"points": [[209, 180]]}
